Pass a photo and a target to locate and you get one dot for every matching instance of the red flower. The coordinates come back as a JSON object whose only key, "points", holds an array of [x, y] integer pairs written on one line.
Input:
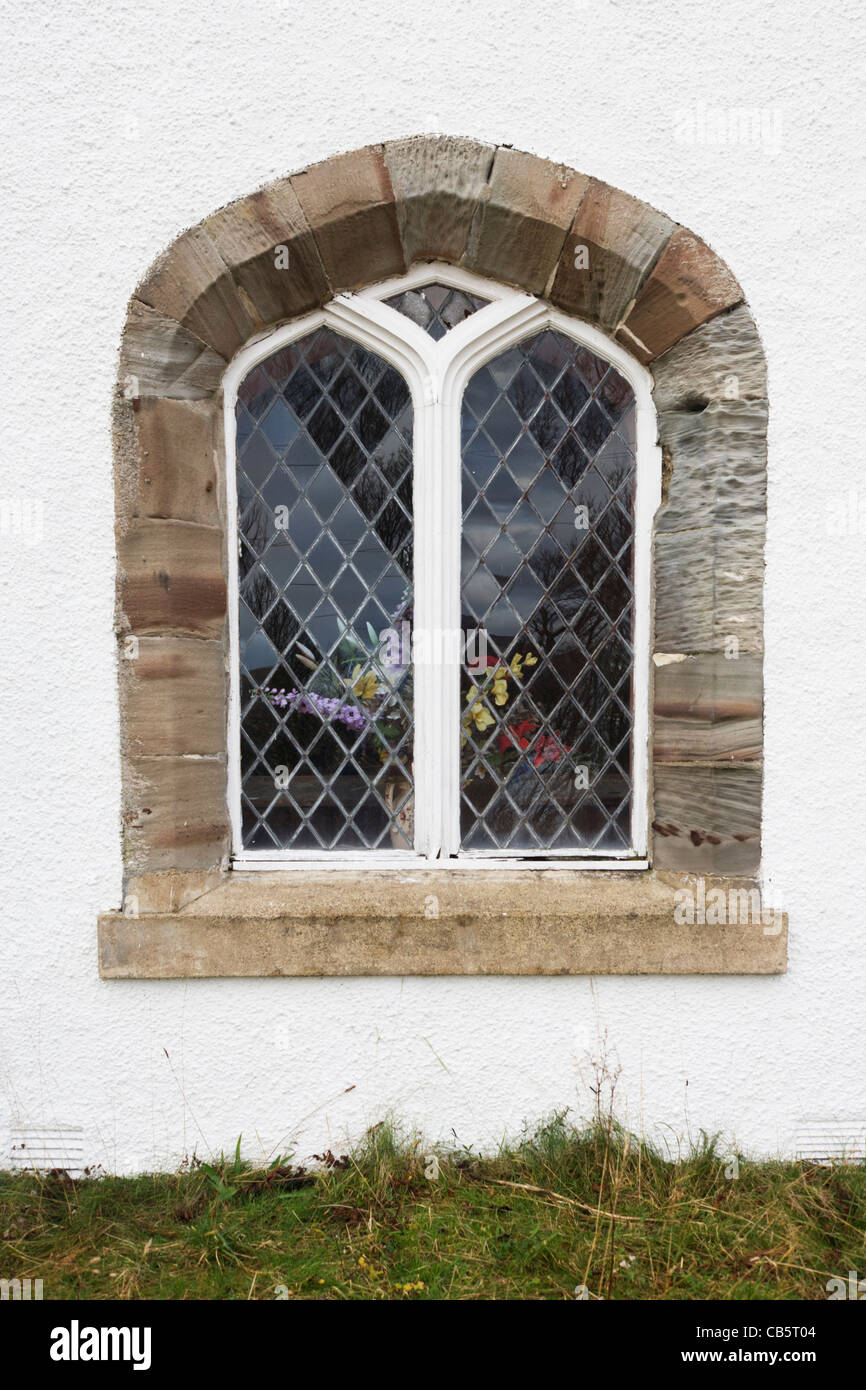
{"points": [[548, 750], [519, 735]]}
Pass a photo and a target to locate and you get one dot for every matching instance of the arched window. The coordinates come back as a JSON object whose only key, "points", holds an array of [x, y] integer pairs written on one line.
{"points": [[400, 588], [439, 603]]}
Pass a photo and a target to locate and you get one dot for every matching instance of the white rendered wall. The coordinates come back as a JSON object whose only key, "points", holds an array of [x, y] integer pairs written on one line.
{"points": [[124, 124]]}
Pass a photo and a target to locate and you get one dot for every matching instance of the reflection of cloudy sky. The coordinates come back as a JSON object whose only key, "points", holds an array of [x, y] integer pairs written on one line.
{"points": [[326, 525]]}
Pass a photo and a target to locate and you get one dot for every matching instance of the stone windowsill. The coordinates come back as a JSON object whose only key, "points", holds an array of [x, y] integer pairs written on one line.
{"points": [[427, 922]]}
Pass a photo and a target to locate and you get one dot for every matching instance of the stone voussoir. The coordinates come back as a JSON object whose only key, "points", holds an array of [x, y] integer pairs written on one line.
{"points": [[160, 358], [191, 283], [688, 286], [348, 203], [610, 250], [521, 223], [438, 181], [266, 243]]}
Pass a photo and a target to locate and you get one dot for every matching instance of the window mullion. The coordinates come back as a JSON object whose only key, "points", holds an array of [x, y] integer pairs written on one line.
{"points": [[425, 567], [448, 495], [437, 626]]}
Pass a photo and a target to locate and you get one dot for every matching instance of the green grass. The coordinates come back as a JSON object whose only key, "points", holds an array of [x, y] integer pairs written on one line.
{"points": [[561, 1209]]}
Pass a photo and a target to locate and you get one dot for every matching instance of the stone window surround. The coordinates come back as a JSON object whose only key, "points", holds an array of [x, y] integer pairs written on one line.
{"points": [[653, 287]]}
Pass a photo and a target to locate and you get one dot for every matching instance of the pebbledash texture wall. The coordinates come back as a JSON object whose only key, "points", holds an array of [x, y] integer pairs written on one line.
{"points": [[143, 123], [605, 258]]}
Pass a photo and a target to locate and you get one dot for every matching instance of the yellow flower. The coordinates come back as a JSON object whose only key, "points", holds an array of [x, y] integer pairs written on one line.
{"points": [[364, 686], [481, 717], [517, 663], [500, 691]]}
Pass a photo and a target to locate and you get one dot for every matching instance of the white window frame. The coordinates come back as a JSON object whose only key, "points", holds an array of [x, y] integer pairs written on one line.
{"points": [[437, 373]]}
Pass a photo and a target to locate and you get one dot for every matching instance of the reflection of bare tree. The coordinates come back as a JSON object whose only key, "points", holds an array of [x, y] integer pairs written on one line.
{"points": [[256, 525], [548, 622], [376, 492], [392, 392], [594, 627], [565, 608], [546, 626], [258, 592], [571, 394], [547, 565], [282, 627], [524, 393], [547, 427], [569, 462], [618, 471], [591, 563], [615, 529]]}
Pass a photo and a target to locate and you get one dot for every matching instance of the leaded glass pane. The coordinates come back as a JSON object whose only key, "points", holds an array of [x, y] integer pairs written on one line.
{"points": [[324, 482], [548, 486], [436, 308]]}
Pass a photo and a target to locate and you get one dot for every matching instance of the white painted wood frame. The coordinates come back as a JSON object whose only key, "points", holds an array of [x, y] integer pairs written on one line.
{"points": [[437, 373]]}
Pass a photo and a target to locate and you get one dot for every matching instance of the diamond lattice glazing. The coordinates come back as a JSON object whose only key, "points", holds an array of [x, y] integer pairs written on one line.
{"points": [[548, 481], [436, 308], [324, 481]]}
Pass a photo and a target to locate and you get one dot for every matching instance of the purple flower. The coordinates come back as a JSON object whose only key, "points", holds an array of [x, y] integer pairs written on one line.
{"points": [[326, 706]]}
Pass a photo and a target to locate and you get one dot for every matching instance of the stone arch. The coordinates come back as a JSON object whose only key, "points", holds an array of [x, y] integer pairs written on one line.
{"points": [[359, 218]]}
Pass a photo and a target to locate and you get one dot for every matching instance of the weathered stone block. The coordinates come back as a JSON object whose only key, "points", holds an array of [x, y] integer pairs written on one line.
{"points": [[683, 592], [177, 471], [175, 813], [191, 283], [722, 360], [707, 820], [688, 286], [159, 358], [521, 222], [172, 578], [246, 234], [708, 709], [167, 892], [348, 203], [174, 696], [492, 923], [437, 183], [705, 448], [709, 544], [705, 596], [622, 238]]}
